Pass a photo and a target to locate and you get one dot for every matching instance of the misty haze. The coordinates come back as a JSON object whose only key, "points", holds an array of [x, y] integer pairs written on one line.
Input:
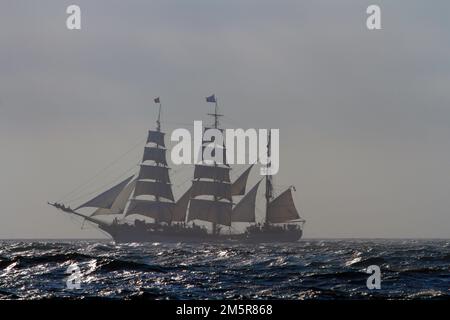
{"points": [[363, 115]]}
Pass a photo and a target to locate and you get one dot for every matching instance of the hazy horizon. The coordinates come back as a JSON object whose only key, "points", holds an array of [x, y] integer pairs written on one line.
{"points": [[363, 115]]}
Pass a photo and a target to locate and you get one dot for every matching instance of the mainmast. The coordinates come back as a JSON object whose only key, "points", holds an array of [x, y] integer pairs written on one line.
{"points": [[212, 180], [216, 126], [216, 115]]}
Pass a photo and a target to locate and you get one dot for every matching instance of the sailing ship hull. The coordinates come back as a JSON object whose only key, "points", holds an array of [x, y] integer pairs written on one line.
{"points": [[129, 234]]}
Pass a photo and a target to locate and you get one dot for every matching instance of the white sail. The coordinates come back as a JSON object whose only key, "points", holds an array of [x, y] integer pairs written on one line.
{"points": [[282, 209], [106, 199], [212, 211], [238, 187], [244, 211], [120, 203], [153, 188]]}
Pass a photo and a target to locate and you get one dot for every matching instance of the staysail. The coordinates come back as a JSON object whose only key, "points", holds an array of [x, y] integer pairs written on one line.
{"points": [[180, 210], [106, 199], [238, 186], [120, 203], [244, 211], [282, 209]]}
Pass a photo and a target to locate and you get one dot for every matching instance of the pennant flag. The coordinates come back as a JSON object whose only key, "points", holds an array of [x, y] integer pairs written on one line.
{"points": [[156, 100], [211, 98]]}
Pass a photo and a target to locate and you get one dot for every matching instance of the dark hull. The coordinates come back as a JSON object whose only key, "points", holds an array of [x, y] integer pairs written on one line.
{"points": [[128, 234]]}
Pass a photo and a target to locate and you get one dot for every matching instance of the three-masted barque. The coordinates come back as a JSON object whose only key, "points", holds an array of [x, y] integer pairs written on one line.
{"points": [[148, 193]]}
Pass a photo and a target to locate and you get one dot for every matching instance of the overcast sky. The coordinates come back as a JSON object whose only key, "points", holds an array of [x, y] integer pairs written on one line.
{"points": [[364, 116]]}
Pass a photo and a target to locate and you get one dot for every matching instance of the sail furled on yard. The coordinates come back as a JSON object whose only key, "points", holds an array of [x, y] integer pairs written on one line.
{"points": [[158, 210], [238, 187], [282, 209], [213, 211], [106, 199], [119, 204], [245, 210]]}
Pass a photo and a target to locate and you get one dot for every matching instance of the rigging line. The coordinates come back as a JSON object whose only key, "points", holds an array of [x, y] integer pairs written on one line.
{"points": [[120, 177], [96, 190], [71, 193]]}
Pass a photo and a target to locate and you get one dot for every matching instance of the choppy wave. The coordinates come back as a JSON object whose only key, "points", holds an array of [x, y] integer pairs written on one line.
{"points": [[309, 269]]}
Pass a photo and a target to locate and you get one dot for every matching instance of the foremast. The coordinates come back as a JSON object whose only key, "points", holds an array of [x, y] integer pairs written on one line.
{"points": [[153, 180]]}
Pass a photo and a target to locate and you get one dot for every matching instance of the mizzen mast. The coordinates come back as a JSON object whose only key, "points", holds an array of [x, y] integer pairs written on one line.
{"points": [[269, 181]]}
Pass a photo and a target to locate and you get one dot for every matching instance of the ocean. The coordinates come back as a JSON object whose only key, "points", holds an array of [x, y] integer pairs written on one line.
{"points": [[308, 269]]}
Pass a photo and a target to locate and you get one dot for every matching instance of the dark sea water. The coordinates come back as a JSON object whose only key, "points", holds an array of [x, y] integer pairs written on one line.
{"points": [[309, 269]]}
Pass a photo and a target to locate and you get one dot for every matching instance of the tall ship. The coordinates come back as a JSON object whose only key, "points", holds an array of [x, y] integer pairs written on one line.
{"points": [[205, 212]]}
